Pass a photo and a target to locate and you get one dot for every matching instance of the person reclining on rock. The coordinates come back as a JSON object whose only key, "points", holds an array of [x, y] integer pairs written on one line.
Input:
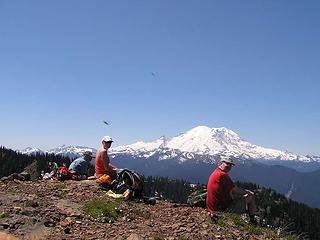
{"points": [[103, 166], [223, 194], [79, 167]]}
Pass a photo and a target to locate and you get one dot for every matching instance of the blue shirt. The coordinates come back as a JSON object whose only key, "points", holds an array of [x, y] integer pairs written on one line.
{"points": [[79, 166]]}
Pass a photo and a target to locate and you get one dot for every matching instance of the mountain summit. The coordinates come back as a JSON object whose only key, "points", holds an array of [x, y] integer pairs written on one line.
{"points": [[199, 141], [203, 140]]}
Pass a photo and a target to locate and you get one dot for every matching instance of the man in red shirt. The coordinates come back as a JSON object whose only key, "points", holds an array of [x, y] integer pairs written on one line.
{"points": [[223, 194]]}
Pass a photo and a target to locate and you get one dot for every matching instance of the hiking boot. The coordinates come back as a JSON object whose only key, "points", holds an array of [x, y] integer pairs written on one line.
{"points": [[150, 201]]}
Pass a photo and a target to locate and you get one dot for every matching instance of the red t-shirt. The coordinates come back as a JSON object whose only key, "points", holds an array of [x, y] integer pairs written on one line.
{"points": [[218, 190]]}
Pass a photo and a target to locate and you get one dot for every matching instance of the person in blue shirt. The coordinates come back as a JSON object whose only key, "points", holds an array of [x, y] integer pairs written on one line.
{"points": [[80, 166]]}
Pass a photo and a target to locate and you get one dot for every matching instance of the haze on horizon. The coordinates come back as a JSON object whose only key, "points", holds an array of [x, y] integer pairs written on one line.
{"points": [[154, 68]]}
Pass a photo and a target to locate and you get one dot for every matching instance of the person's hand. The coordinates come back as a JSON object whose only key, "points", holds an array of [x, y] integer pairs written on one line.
{"points": [[83, 177]]}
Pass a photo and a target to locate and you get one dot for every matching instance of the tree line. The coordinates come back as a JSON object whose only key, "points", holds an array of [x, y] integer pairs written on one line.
{"points": [[275, 210], [14, 162]]}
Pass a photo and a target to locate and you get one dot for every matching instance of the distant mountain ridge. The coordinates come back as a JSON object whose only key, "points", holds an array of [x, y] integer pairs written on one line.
{"points": [[207, 141], [200, 140], [31, 151], [193, 155], [63, 150]]}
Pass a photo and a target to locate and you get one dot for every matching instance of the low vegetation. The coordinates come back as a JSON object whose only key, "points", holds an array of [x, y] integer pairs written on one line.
{"points": [[277, 212], [4, 215], [231, 219], [59, 186], [102, 210]]}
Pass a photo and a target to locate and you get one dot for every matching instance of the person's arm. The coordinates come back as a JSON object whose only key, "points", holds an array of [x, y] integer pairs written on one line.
{"points": [[238, 192], [114, 168], [107, 163], [105, 160]]}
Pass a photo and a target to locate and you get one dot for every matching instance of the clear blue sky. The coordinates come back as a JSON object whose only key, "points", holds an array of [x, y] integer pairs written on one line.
{"points": [[251, 66]]}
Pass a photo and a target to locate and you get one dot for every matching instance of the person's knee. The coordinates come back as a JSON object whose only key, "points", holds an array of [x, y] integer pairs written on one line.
{"points": [[250, 198]]}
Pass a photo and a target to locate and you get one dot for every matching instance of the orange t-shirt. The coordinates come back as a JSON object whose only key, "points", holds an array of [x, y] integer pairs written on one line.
{"points": [[102, 162]]}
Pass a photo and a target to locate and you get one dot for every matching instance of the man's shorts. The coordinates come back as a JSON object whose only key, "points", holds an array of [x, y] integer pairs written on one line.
{"points": [[238, 206]]}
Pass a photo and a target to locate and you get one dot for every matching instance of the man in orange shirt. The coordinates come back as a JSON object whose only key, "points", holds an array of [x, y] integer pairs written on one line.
{"points": [[103, 165]]}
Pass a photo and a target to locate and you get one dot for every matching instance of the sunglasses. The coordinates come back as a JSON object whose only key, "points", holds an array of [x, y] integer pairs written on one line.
{"points": [[229, 164]]}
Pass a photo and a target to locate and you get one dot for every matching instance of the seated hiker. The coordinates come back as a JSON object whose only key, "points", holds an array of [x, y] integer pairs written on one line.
{"points": [[223, 194], [103, 166], [79, 167]]}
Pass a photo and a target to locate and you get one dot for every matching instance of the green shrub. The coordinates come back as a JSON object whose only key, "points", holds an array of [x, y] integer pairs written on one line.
{"points": [[102, 211], [59, 185], [4, 215]]}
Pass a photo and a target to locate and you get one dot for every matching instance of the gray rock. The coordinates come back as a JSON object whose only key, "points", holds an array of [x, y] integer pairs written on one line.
{"points": [[135, 237]]}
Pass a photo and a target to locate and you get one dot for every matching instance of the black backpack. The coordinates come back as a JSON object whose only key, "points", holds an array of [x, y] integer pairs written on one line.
{"points": [[131, 180], [197, 198]]}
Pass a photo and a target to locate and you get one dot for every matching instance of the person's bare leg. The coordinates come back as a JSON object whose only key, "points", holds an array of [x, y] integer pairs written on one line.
{"points": [[252, 208]]}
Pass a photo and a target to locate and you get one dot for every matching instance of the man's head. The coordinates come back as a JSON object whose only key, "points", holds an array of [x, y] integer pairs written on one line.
{"points": [[106, 142], [226, 163], [87, 155]]}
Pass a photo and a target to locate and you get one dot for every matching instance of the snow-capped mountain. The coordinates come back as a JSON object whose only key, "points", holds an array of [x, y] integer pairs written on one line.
{"points": [[141, 148], [207, 141], [201, 142], [31, 151], [67, 151], [71, 151], [191, 156]]}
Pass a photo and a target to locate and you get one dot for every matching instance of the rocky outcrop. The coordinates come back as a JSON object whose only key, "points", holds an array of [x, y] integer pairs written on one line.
{"points": [[55, 210]]}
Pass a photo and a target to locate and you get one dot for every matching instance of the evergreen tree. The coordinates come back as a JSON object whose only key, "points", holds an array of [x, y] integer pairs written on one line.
{"points": [[13, 162]]}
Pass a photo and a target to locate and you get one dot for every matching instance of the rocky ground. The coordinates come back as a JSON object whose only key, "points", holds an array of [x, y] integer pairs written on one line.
{"points": [[55, 210]]}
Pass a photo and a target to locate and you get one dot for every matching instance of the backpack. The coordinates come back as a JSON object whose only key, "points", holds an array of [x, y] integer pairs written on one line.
{"points": [[197, 198], [63, 173], [131, 180]]}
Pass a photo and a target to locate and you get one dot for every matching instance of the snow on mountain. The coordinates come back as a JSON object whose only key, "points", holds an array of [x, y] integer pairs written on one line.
{"points": [[212, 141], [203, 140], [31, 151], [71, 151], [138, 148], [200, 142], [67, 151]]}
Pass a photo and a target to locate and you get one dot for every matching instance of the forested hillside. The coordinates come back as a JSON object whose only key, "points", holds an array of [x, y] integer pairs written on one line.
{"points": [[275, 210], [13, 162]]}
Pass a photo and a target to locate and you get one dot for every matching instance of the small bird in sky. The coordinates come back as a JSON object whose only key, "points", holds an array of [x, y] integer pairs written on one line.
{"points": [[106, 123], [152, 73]]}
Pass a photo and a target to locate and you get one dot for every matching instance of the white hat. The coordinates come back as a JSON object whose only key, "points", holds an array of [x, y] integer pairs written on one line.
{"points": [[106, 139], [227, 159]]}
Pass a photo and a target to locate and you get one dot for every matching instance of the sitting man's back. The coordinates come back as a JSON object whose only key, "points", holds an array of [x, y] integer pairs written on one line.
{"points": [[219, 188], [223, 194], [80, 165]]}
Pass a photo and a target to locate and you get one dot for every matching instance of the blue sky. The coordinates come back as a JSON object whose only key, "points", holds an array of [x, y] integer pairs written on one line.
{"points": [[251, 66]]}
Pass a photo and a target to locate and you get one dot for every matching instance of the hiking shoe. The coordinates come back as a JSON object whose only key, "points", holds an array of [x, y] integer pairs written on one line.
{"points": [[150, 201]]}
